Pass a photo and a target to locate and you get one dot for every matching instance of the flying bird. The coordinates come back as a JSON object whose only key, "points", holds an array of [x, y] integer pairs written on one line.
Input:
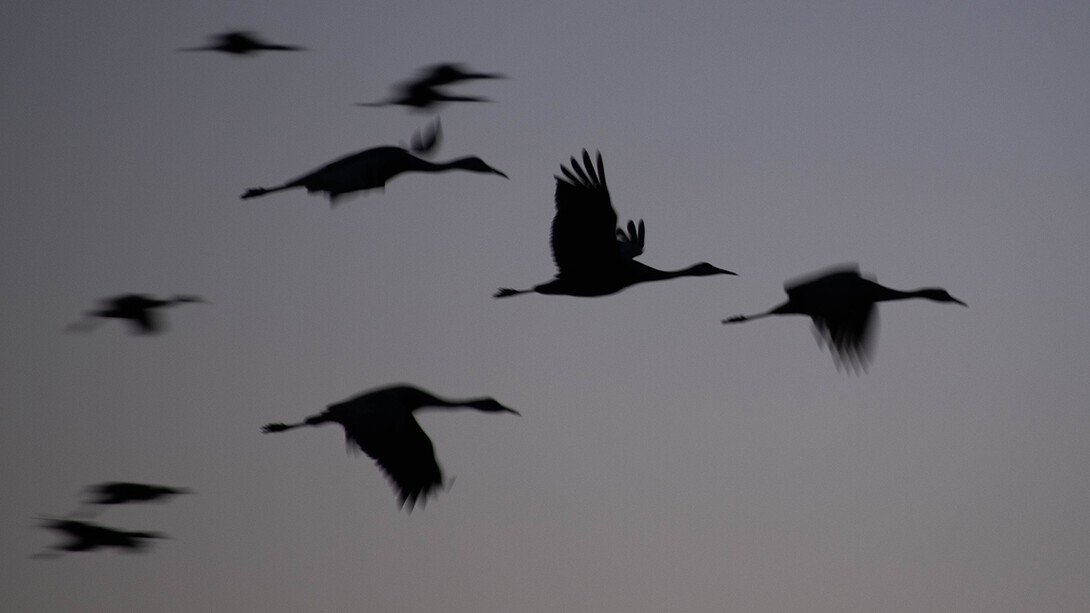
{"points": [[123, 492], [842, 305], [372, 168], [381, 423], [593, 256], [240, 43], [422, 91], [86, 536], [140, 310]]}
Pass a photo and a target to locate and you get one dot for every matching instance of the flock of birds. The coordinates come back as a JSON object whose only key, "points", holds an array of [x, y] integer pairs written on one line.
{"points": [[594, 256], [88, 536]]}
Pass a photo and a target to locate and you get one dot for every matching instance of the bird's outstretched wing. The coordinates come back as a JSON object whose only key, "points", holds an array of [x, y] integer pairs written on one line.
{"points": [[408, 460], [849, 336], [425, 140], [584, 236], [631, 244], [841, 320], [145, 322]]}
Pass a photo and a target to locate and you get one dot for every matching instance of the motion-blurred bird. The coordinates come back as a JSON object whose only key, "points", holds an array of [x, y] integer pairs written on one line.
{"points": [[593, 256], [381, 423], [372, 168], [138, 309], [841, 304], [123, 492], [422, 91], [86, 536], [240, 43]]}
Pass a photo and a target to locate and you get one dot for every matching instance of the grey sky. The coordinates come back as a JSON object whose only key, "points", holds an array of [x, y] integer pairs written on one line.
{"points": [[663, 462]]}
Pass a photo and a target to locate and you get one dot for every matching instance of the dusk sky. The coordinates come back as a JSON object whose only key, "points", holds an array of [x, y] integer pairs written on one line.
{"points": [[662, 461]]}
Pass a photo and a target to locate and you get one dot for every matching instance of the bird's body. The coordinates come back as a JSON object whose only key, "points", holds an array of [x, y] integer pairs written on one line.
{"points": [[842, 305], [86, 536], [372, 168], [422, 92], [240, 43], [140, 310], [381, 423], [593, 256]]}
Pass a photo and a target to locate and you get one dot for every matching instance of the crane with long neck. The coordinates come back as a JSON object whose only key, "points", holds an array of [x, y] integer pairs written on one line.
{"points": [[842, 305], [593, 256], [380, 423], [373, 168]]}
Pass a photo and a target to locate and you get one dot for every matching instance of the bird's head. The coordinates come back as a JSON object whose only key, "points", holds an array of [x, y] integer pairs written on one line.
{"points": [[476, 164], [704, 269], [938, 295], [181, 298], [489, 405]]}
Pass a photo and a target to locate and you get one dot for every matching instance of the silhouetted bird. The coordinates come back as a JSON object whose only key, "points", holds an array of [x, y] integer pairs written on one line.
{"points": [[593, 256], [241, 43], [421, 92], [85, 536], [841, 304], [372, 168], [381, 423], [138, 309], [121, 492]]}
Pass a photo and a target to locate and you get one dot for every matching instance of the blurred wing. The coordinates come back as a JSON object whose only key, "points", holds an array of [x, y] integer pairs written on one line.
{"points": [[841, 278], [849, 335], [408, 459], [584, 237], [145, 322], [425, 141]]}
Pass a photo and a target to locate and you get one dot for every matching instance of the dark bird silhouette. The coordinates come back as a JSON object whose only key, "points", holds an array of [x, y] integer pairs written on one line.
{"points": [[86, 536], [593, 256], [381, 423], [122, 492], [422, 91], [137, 309], [372, 168], [240, 43], [842, 305]]}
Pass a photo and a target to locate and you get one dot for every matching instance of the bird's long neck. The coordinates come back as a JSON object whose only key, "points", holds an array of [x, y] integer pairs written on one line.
{"points": [[456, 164], [886, 294], [450, 403], [653, 274], [480, 404]]}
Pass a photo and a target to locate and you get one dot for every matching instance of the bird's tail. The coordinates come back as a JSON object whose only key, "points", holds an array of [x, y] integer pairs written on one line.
{"points": [[254, 192], [504, 292], [88, 323], [278, 427]]}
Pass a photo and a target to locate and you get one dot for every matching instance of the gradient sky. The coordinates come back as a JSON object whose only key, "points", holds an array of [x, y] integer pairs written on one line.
{"points": [[663, 462]]}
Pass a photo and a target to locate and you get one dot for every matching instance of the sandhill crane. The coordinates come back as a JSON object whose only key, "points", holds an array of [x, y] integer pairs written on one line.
{"points": [[372, 168], [240, 43], [593, 256], [841, 304], [137, 309], [124, 492], [380, 422], [422, 91], [86, 536]]}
